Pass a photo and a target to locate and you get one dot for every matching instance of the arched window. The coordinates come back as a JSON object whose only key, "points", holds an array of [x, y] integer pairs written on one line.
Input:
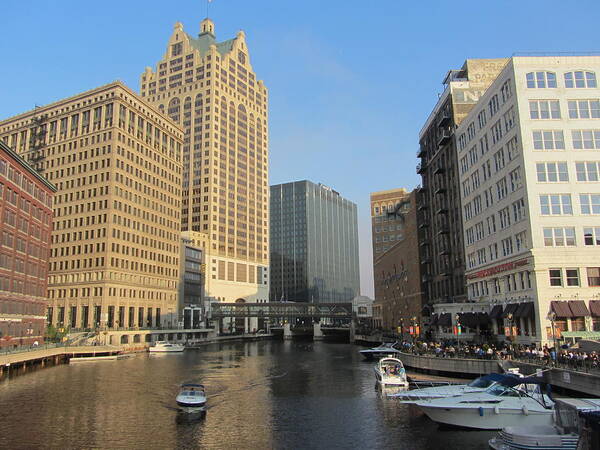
{"points": [[174, 108], [580, 79], [541, 80]]}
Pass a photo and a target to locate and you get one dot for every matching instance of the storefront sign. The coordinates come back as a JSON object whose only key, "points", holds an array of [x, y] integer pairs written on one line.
{"points": [[497, 269]]}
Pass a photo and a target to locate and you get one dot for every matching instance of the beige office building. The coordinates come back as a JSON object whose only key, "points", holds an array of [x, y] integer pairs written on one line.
{"points": [[210, 89], [116, 162]]}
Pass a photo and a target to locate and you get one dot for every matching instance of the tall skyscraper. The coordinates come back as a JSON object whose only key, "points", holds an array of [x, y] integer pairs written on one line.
{"points": [[314, 244], [116, 163], [439, 208], [25, 227], [211, 90]]}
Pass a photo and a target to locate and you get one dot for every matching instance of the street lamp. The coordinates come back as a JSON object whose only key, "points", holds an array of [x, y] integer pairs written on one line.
{"points": [[457, 320], [510, 316], [552, 318]]}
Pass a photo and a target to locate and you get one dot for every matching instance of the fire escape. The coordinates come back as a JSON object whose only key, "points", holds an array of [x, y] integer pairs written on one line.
{"points": [[36, 154]]}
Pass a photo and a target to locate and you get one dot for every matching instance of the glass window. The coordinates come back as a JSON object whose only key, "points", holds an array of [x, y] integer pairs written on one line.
{"points": [[586, 139], [591, 236], [544, 109], [541, 80], [590, 203], [548, 140], [593, 276], [555, 277], [587, 171], [572, 277], [559, 237], [580, 79], [555, 204], [584, 109], [552, 172]]}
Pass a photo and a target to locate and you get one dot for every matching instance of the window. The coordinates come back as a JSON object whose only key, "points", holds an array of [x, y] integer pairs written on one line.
{"points": [[505, 91], [555, 277], [555, 204], [552, 172], [502, 188], [481, 119], [559, 237], [509, 119], [507, 246], [587, 171], [572, 277], [491, 224], [496, 132], [499, 160], [548, 140], [541, 80], [544, 109], [518, 210], [504, 215], [521, 241], [512, 148], [580, 79], [590, 203], [494, 105], [584, 109], [515, 179], [591, 236], [586, 139], [593, 276]]}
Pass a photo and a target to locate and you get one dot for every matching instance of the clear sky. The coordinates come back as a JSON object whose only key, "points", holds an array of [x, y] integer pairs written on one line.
{"points": [[350, 82]]}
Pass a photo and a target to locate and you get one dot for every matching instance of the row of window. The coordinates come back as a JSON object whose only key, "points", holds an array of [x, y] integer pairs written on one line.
{"points": [[554, 172], [517, 281], [575, 79], [554, 139], [560, 204], [565, 236], [577, 109], [560, 277], [508, 246]]}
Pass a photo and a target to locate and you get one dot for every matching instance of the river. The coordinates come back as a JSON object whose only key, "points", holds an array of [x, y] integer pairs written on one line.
{"points": [[261, 395]]}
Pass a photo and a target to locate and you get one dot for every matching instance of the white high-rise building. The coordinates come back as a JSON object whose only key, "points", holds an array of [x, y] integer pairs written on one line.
{"points": [[529, 165]]}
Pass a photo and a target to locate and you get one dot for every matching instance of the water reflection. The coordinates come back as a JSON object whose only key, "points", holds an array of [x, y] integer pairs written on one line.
{"points": [[268, 394]]}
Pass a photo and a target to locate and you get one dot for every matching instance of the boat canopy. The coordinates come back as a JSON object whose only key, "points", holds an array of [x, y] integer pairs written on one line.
{"points": [[512, 380], [192, 385]]}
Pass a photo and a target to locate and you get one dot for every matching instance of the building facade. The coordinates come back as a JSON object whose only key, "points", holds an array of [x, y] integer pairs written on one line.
{"points": [[386, 227], [116, 162], [531, 198], [193, 309], [439, 209], [397, 271], [210, 89], [26, 226], [314, 244]]}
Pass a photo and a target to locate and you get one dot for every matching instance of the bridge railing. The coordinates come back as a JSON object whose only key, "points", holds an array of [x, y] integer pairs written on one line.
{"points": [[282, 310]]}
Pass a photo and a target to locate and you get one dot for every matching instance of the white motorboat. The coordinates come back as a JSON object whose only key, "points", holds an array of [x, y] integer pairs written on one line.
{"points": [[442, 390], [390, 371], [166, 347], [429, 390], [564, 434], [192, 396], [511, 401], [385, 349]]}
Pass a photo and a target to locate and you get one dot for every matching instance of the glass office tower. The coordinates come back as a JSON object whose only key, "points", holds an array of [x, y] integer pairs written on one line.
{"points": [[314, 244]]}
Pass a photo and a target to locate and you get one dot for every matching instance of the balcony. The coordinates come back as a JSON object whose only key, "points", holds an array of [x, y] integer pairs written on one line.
{"points": [[444, 138], [424, 225], [423, 243], [421, 152], [421, 168], [439, 170], [426, 260], [422, 207], [444, 119], [443, 230], [440, 190], [421, 189], [442, 211], [444, 252]]}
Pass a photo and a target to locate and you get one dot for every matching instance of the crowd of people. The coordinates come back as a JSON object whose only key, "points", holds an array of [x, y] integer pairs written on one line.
{"points": [[572, 358]]}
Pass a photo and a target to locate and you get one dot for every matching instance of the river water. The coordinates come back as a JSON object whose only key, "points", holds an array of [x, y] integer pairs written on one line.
{"points": [[261, 395]]}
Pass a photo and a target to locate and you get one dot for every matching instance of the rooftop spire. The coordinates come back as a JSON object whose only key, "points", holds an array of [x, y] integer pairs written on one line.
{"points": [[207, 26]]}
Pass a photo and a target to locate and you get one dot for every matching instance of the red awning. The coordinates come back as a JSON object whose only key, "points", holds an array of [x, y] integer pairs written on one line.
{"points": [[578, 308], [561, 309], [595, 308]]}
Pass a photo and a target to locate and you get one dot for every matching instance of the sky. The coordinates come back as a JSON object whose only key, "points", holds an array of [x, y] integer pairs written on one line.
{"points": [[350, 82]]}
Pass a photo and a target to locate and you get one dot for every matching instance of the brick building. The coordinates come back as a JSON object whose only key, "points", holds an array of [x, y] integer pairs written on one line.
{"points": [[26, 225]]}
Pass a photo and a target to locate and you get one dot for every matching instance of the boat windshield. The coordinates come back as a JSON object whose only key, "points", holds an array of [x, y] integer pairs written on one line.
{"points": [[480, 382], [499, 390]]}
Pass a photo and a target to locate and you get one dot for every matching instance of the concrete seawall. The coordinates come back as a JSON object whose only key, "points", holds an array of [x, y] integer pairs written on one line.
{"points": [[455, 366]]}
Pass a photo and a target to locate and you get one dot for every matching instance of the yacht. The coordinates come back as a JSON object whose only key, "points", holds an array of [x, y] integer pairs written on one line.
{"points": [[385, 349], [192, 397], [390, 371], [564, 434], [166, 347], [511, 401], [445, 389]]}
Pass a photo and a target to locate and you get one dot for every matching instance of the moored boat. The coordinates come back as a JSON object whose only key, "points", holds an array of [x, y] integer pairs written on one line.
{"points": [[385, 349], [390, 371], [166, 347]]}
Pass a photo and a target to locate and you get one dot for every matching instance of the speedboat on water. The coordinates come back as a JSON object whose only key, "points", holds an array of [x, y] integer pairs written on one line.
{"points": [[385, 349], [192, 396], [443, 390], [390, 371], [568, 430], [511, 401], [166, 347]]}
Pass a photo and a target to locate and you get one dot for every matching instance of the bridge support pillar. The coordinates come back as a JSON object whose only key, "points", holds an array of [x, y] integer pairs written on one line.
{"points": [[287, 331], [317, 333], [352, 331]]}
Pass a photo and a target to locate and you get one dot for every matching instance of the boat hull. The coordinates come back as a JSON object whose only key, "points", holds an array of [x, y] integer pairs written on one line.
{"points": [[486, 418], [166, 350]]}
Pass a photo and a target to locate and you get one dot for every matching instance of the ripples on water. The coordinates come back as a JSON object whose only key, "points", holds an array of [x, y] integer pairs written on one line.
{"points": [[261, 395]]}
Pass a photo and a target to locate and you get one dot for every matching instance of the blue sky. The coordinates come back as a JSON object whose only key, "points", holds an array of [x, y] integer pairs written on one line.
{"points": [[350, 82]]}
